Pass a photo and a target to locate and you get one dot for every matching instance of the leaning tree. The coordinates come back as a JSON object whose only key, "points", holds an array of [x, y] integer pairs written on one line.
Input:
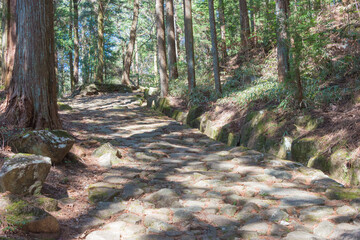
{"points": [[31, 95]]}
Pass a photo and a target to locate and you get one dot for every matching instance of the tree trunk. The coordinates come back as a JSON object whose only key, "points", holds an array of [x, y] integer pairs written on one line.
{"points": [[171, 45], [130, 49], [189, 44], [160, 34], [72, 79], [244, 23], [8, 41], [137, 69], [214, 48], [101, 56], [222, 29], [76, 41], [31, 98], [283, 43]]}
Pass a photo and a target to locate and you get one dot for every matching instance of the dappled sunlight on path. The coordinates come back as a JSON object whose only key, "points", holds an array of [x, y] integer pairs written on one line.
{"points": [[176, 183]]}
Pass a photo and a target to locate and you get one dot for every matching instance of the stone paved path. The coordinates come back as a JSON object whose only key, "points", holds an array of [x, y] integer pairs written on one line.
{"points": [[176, 183]]}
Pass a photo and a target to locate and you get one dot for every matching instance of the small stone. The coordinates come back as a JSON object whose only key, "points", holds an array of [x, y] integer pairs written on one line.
{"points": [[131, 191], [156, 225], [130, 218]]}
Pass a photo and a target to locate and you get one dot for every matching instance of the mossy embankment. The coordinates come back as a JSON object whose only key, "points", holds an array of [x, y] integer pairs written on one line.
{"points": [[303, 136]]}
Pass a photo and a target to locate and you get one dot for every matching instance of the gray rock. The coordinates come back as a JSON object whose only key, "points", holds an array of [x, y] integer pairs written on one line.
{"points": [[131, 191], [301, 235], [103, 192], [164, 198], [54, 144], [181, 215], [316, 213], [276, 215], [24, 174], [228, 210], [107, 155], [278, 174], [346, 211], [260, 228], [324, 229], [301, 201], [157, 225], [130, 218], [103, 235], [104, 210]]}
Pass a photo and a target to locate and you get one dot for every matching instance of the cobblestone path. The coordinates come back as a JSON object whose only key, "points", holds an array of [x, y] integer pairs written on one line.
{"points": [[176, 183]]}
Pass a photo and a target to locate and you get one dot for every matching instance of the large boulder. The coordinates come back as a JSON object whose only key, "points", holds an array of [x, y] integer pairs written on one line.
{"points": [[24, 174], [54, 144], [21, 215]]}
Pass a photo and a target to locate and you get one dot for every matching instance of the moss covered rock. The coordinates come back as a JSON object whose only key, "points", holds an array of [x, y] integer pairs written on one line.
{"points": [[339, 193], [303, 149], [194, 113], [24, 174], [54, 144], [64, 107], [21, 215], [103, 192]]}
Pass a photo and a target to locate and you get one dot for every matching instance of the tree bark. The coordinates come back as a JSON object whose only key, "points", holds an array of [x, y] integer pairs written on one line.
{"points": [[31, 98], [130, 48], [214, 48], [189, 44], [283, 43], [171, 44], [8, 41], [244, 23], [76, 41], [160, 34], [101, 56], [222, 29], [72, 79]]}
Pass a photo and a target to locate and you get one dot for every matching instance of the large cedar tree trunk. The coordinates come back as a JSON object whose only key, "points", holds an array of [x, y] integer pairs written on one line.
{"points": [[244, 23], [8, 41], [31, 99], [160, 34], [189, 44], [76, 41], [130, 48], [283, 43], [214, 48], [171, 44], [101, 56]]}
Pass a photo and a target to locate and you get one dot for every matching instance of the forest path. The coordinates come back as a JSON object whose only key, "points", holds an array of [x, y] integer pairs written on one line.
{"points": [[176, 183]]}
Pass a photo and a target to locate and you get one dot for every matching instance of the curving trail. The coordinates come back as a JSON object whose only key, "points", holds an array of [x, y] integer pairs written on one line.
{"points": [[176, 183]]}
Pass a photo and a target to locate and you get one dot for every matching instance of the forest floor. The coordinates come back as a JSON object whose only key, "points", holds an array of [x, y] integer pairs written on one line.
{"points": [[176, 183]]}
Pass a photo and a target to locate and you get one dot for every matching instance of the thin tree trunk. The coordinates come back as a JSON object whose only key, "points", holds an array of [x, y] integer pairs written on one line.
{"points": [[137, 69], [72, 78], [31, 98], [177, 36], [214, 48], [160, 34], [8, 41], [171, 45], [76, 41], [222, 29], [101, 56], [189, 44], [283, 43], [130, 48], [244, 23]]}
